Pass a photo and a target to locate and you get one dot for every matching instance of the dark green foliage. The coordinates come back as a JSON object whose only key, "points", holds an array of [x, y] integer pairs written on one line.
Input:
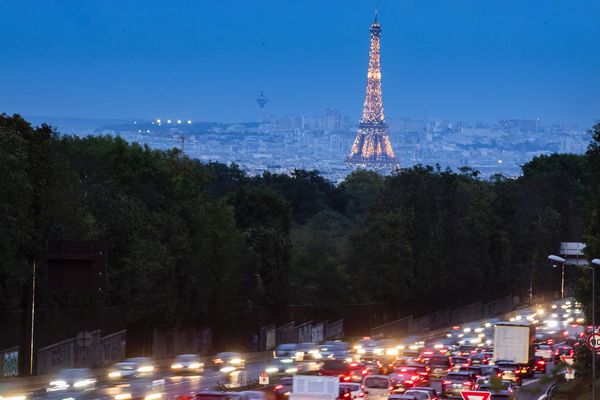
{"points": [[190, 240]]}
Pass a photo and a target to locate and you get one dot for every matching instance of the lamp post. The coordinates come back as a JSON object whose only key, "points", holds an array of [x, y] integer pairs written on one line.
{"points": [[562, 262], [595, 261]]}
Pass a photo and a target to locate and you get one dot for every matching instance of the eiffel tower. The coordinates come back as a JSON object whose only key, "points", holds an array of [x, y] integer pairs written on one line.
{"points": [[372, 146]]}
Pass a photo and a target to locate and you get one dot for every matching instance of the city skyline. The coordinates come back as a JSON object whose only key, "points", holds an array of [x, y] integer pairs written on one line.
{"points": [[208, 62]]}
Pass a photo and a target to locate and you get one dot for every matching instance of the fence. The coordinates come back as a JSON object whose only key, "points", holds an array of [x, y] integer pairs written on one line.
{"points": [[441, 319]]}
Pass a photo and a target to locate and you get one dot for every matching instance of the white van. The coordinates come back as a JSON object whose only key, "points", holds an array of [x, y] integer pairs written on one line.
{"points": [[376, 387]]}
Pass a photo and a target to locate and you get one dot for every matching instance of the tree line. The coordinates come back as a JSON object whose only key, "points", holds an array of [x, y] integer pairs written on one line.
{"points": [[193, 240]]}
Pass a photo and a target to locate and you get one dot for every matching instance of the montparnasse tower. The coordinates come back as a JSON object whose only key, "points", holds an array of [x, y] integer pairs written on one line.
{"points": [[372, 146]]}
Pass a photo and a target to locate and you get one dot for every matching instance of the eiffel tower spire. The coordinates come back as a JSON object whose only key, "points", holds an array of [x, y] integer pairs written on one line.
{"points": [[372, 146]]}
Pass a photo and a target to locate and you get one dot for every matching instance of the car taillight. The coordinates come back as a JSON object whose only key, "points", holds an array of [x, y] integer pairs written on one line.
{"points": [[517, 371], [361, 394], [278, 387], [541, 362], [423, 373], [414, 378], [467, 383], [347, 394], [403, 369], [408, 382], [446, 382], [346, 378], [499, 374], [364, 372], [391, 388]]}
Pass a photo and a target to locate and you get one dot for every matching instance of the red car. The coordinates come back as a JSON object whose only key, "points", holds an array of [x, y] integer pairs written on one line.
{"points": [[405, 378], [539, 365]]}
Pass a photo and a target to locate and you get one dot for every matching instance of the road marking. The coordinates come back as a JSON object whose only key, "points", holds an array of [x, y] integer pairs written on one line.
{"points": [[530, 382]]}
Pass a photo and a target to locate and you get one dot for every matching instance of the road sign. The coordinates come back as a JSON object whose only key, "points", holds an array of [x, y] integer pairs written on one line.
{"points": [[593, 341], [567, 360], [476, 395], [84, 339], [263, 378]]}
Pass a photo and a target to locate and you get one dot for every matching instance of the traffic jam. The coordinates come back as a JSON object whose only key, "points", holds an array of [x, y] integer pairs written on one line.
{"points": [[493, 356]]}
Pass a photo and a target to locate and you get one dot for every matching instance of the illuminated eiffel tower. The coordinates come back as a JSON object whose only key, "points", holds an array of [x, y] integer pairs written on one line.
{"points": [[372, 146]]}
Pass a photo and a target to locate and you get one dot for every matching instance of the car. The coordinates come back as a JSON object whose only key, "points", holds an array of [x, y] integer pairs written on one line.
{"points": [[73, 379], [458, 361], [433, 394], [356, 371], [307, 351], [187, 363], [285, 350], [562, 351], [422, 370], [281, 366], [335, 368], [476, 369], [455, 383], [510, 371], [139, 389], [526, 370], [544, 351], [376, 387], [418, 394], [439, 366], [405, 378], [482, 380], [283, 389], [352, 388], [502, 390], [135, 367], [539, 365], [396, 396], [228, 362], [253, 394]]}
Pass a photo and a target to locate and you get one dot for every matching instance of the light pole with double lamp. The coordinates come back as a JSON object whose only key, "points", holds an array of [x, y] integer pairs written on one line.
{"points": [[595, 261]]}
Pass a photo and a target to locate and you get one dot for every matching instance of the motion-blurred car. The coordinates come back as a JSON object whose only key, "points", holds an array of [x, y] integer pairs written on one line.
{"points": [[510, 371], [136, 367], [376, 387], [539, 365], [433, 394], [455, 383], [281, 366], [283, 389], [502, 390], [439, 366], [335, 368], [458, 361], [140, 389], [187, 363], [404, 378], [418, 394], [307, 351], [73, 379], [544, 351], [229, 361], [352, 388], [562, 351], [285, 351], [12, 391]]}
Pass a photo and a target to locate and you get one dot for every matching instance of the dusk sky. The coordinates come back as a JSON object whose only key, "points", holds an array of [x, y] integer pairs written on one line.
{"points": [[207, 60]]}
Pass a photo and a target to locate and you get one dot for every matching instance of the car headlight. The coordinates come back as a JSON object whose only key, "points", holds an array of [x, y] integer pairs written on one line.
{"points": [[153, 396], [114, 374], [84, 383], [236, 361], [291, 370], [226, 370], [218, 361], [146, 368], [123, 396], [58, 383], [299, 354], [391, 352], [176, 366], [271, 370], [361, 351], [287, 360], [196, 365]]}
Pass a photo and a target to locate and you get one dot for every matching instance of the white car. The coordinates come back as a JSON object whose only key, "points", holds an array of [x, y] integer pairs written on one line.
{"points": [[544, 351], [229, 361], [136, 367], [73, 379], [187, 363], [376, 387], [418, 394]]}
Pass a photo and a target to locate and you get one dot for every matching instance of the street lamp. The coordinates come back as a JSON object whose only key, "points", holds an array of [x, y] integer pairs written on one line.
{"points": [[595, 261], [562, 273]]}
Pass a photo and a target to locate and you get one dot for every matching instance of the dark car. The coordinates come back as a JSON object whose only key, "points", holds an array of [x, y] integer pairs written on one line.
{"points": [[455, 383], [510, 371], [422, 370], [439, 366], [334, 368], [283, 389], [458, 361], [404, 378], [356, 371], [562, 351], [539, 365]]}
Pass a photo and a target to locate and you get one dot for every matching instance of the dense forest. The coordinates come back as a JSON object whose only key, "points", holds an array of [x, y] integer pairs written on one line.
{"points": [[189, 239]]}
